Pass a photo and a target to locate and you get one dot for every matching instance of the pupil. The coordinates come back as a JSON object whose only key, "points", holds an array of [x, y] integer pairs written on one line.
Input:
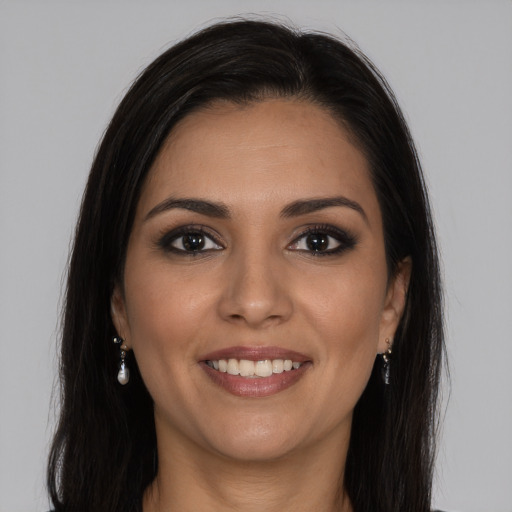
{"points": [[193, 242], [317, 242]]}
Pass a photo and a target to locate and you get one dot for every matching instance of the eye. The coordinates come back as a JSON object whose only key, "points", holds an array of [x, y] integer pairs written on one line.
{"points": [[323, 240], [189, 241]]}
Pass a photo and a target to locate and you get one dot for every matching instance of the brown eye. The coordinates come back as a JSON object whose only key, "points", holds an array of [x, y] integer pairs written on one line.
{"points": [[191, 242], [194, 242], [188, 241], [323, 241], [317, 242]]}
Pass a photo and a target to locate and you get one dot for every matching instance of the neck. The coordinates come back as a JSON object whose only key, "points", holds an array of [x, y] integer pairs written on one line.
{"points": [[190, 478]]}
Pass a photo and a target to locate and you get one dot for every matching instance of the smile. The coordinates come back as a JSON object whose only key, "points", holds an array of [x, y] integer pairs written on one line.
{"points": [[254, 372], [254, 369]]}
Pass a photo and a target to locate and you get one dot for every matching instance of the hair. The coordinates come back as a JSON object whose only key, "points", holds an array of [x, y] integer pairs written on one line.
{"points": [[104, 451]]}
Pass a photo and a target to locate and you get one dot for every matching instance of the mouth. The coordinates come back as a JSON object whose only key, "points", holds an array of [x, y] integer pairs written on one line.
{"points": [[255, 371]]}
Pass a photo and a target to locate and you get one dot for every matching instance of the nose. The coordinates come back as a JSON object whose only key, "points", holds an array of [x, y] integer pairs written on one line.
{"points": [[255, 291]]}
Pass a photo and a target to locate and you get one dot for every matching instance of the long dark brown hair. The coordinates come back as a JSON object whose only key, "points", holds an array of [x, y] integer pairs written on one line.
{"points": [[104, 451]]}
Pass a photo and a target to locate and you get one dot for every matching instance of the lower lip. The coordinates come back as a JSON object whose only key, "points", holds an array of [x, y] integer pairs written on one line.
{"points": [[258, 386]]}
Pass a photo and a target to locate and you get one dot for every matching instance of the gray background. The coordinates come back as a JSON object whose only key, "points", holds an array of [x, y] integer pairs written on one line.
{"points": [[65, 65]]}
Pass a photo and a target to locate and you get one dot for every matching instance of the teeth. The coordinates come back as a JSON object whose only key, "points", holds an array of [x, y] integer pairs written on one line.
{"points": [[246, 368], [233, 367], [278, 366], [263, 368]]}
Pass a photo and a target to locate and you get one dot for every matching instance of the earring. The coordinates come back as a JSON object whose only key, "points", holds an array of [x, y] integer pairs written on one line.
{"points": [[123, 376], [386, 357]]}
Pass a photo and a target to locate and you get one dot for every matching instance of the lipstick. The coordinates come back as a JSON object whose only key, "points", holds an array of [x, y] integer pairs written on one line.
{"points": [[257, 371]]}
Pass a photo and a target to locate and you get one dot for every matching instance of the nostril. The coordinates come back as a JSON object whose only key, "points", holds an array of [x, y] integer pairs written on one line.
{"points": [[254, 306]]}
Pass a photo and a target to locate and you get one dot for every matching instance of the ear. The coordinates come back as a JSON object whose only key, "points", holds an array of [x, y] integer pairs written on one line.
{"points": [[119, 316], [394, 304]]}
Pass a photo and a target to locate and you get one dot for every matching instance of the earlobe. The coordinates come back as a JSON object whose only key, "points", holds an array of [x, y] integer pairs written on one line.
{"points": [[118, 314], [396, 297]]}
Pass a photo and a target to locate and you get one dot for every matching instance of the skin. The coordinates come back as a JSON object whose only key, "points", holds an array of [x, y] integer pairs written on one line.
{"points": [[257, 283]]}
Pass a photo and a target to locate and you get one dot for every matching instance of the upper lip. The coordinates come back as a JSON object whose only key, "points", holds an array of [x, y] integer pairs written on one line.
{"points": [[255, 353]]}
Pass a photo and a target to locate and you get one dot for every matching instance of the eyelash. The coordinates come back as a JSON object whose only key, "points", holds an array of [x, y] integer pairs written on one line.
{"points": [[165, 242], [344, 239]]}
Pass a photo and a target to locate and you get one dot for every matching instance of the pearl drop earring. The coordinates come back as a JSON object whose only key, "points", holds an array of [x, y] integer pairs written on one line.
{"points": [[123, 376]]}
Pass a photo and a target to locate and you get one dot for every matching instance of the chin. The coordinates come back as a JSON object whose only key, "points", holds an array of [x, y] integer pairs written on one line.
{"points": [[257, 451], [263, 440]]}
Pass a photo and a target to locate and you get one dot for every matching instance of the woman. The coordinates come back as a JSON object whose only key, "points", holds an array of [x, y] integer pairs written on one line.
{"points": [[253, 316]]}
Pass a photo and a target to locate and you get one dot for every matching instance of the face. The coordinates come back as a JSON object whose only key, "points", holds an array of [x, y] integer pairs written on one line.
{"points": [[257, 245]]}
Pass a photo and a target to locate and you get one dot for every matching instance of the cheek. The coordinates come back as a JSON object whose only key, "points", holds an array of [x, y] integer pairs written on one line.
{"points": [[346, 316], [166, 325], [167, 316], [163, 301], [348, 303]]}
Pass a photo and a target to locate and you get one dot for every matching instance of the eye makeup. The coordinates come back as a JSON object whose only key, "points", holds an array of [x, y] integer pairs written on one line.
{"points": [[189, 240], [316, 240], [323, 240]]}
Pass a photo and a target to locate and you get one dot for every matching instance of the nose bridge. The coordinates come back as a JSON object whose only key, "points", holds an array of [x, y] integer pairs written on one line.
{"points": [[255, 291]]}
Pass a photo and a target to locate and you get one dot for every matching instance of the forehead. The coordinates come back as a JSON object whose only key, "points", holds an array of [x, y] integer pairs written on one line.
{"points": [[274, 150]]}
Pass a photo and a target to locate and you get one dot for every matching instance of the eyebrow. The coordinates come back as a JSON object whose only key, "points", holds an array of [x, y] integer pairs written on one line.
{"points": [[303, 207], [217, 210], [221, 211]]}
